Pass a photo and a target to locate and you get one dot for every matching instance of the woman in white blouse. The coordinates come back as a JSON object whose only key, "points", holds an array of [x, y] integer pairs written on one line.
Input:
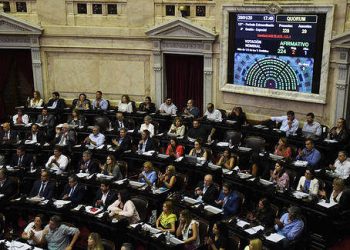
{"points": [[188, 230], [308, 183], [36, 101], [147, 125], [125, 105], [124, 207], [33, 232], [337, 192], [177, 128]]}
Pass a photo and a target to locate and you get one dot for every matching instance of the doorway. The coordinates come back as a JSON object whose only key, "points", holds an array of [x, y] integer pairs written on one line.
{"points": [[184, 79], [16, 80]]}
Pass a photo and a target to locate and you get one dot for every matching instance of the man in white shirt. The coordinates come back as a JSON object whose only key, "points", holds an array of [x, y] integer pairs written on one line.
{"points": [[20, 118], [58, 162], [341, 165], [99, 102], [95, 139], [310, 126], [168, 107], [289, 125], [213, 114], [104, 196]]}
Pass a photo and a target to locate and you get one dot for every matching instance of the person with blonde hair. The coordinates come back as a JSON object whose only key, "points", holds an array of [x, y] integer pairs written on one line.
{"points": [[168, 179], [254, 244], [95, 242], [188, 230], [177, 128], [148, 175], [166, 220], [36, 101]]}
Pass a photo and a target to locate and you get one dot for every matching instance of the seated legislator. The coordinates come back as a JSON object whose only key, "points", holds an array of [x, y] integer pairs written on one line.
{"points": [[218, 239], [7, 135], [147, 106], [263, 214], [311, 127], [146, 143], [254, 244], [310, 154], [65, 137], [20, 118], [124, 207], [81, 103], [238, 115], [337, 195], [198, 150], [308, 183], [212, 114], [104, 196], [148, 175], [73, 191], [59, 236], [56, 102], [123, 142], [94, 242], [339, 132], [228, 200], [177, 128], [87, 164], [147, 125], [168, 107], [290, 225], [34, 230], [46, 119], [36, 101], [200, 131], [21, 159], [43, 187], [188, 230], [341, 166], [168, 179], [8, 187], [206, 191], [35, 135], [121, 122], [279, 176], [111, 168], [58, 162], [167, 219], [289, 124], [191, 110], [76, 119], [95, 139], [99, 103], [125, 105], [227, 160], [282, 148], [174, 149]]}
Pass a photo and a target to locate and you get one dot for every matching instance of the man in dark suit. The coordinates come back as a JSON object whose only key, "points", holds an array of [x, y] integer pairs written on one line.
{"points": [[21, 159], [43, 187], [228, 200], [207, 191], [56, 102], [7, 135], [36, 135], [46, 119], [121, 122], [146, 143], [8, 187], [87, 164], [104, 196], [122, 142], [73, 191], [65, 137]]}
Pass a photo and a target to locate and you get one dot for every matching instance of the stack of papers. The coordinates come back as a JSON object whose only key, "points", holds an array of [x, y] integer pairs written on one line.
{"points": [[226, 171], [254, 230], [300, 195], [275, 237], [163, 156], [276, 157], [190, 200], [300, 163], [213, 166], [149, 153], [120, 182], [136, 184], [265, 182], [259, 126], [104, 176], [323, 203], [160, 190], [244, 175], [330, 141], [61, 203], [212, 209], [244, 149], [175, 240], [92, 210], [222, 144], [82, 175], [241, 223]]}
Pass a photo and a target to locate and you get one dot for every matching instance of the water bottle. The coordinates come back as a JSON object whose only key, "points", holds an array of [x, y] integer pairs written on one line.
{"points": [[167, 238], [79, 123], [17, 138], [154, 188], [31, 167], [230, 143], [110, 126], [152, 220]]}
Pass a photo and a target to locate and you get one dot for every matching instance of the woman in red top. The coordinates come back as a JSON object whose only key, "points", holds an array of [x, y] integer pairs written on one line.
{"points": [[282, 149], [174, 149]]}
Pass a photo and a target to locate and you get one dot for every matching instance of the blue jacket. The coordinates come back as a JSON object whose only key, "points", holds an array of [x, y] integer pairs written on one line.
{"points": [[232, 203]]}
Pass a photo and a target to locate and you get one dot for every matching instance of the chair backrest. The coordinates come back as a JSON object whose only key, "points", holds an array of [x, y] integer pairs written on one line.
{"points": [[203, 229], [275, 209], [18, 185], [108, 244], [223, 113], [102, 122], [156, 127], [257, 143], [133, 104], [123, 165], [234, 136], [242, 200], [181, 182], [234, 242], [141, 205]]}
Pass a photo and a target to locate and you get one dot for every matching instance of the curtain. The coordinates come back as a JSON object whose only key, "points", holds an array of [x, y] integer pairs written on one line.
{"points": [[184, 78], [5, 65]]}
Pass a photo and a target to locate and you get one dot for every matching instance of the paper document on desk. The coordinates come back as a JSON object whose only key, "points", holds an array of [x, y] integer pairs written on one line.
{"points": [[104, 176], [148, 153], [300, 195], [330, 141], [92, 210], [323, 203], [175, 240], [265, 182], [254, 230], [136, 184], [226, 171], [241, 223], [244, 175], [151, 229], [82, 175], [244, 149], [161, 190], [213, 210], [275, 237], [120, 182], [190, 200], [29, 142], [222, 144], [213, 166], [300, 163]]}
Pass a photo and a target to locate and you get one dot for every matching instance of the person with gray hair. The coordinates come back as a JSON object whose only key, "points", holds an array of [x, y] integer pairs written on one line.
{"points": [[147, 125], [95, 139], [290, 225]]}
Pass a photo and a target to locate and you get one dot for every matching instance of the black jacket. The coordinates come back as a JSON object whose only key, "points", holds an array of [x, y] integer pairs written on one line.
{"points": [[111, 197], [48, 191]]}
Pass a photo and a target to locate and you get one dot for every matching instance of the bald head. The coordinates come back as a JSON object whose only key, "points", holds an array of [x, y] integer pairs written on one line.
{"points": [[208, 180]]}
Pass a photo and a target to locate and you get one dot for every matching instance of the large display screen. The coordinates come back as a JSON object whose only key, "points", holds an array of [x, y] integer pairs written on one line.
{"points": [[281, 51]]}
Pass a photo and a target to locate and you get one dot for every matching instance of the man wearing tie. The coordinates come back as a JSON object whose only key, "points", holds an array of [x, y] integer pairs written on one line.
{"points": [[120, 122], [36, 135], [206, 191], [21, 159], [7, 186], [88, 165], [57, 162], [104, 196], [7, 135], [73, 191], [146, 143], [56, 102], [122, 142], [65, 136], [43, 187], [96, 138]]}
